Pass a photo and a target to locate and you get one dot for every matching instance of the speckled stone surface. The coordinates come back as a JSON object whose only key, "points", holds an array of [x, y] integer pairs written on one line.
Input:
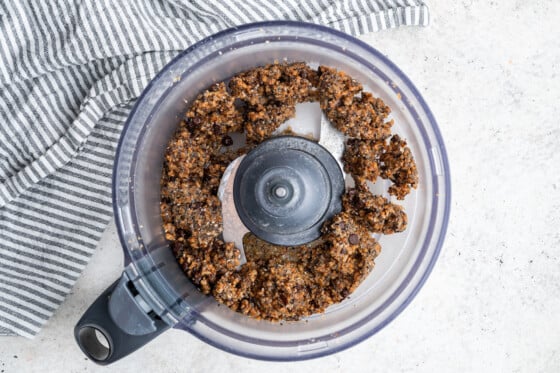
{"points": [[490, 73]]}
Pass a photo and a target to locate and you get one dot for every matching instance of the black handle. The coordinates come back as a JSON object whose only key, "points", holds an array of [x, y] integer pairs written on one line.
{"points": [[117, 324]]}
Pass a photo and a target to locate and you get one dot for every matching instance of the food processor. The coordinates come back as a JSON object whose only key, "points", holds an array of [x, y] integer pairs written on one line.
{"points": [[153, 294]]}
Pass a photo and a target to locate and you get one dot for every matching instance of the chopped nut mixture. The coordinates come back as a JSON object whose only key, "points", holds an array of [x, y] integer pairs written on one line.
{"points": [[390, 159], [214, 113], [397, 165], [206, 265], [361, 158], [376, 213], [279, 282], [287, 283], [270, 94], [351, 111]]}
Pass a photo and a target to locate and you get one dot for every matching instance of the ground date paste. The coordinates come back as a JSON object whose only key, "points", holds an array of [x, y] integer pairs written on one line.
{"points": [[279, 282]]}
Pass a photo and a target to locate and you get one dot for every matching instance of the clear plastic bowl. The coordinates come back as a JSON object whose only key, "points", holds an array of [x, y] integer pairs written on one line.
{"points": [[406, 259]]}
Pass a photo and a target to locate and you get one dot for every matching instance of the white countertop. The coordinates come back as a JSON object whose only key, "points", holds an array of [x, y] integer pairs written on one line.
{"points": [[490, 71]]}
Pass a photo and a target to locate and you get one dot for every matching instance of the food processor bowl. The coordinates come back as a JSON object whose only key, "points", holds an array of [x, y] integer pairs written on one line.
{"points": [[154, 294]]}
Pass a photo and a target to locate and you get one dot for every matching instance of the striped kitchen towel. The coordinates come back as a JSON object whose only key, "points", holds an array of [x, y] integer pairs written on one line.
{"points": [[69, 74]]}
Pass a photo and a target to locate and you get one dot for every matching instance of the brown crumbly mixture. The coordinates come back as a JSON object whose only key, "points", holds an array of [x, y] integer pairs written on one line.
{"points": [[187, 154], [397, 164], [214, 113], [376, 213], [218, 164], [361, 158], [263, 120], [352, 250], [336, 87], [273, 284], [390, 159], [287, 283], [288, 84], [190, 209], [270, 94], [206, 265], [353, 112], [278, 282]]}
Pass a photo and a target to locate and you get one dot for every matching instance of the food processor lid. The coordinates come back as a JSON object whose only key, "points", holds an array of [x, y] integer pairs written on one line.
{"points": [[286, 188]]}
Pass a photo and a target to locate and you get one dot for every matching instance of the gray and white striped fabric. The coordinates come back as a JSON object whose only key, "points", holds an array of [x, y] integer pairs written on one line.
{"points": [[69, 74]]}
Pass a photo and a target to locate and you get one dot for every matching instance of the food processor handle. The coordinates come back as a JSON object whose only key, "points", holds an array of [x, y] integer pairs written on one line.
{"points": [[118, 323]]}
